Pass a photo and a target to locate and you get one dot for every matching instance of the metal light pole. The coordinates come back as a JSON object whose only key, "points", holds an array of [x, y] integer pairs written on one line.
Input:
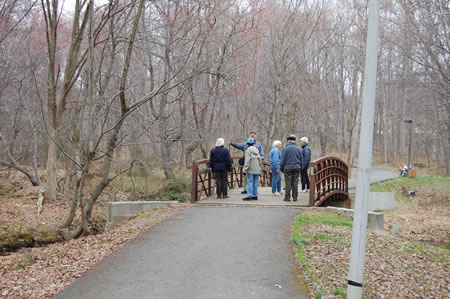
{"points": [[358, 251], [409, 121]]}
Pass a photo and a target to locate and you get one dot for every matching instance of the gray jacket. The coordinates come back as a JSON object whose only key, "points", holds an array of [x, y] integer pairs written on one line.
{"points": [[252, 161], [291, 158]]}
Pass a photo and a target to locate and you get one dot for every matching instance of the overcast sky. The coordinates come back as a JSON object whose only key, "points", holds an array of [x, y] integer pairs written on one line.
{"points": [[69, 5]]}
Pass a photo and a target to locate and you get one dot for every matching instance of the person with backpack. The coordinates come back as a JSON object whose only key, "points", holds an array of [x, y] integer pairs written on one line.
{"points": [[220, 163], [243, 147], [252, 167]]}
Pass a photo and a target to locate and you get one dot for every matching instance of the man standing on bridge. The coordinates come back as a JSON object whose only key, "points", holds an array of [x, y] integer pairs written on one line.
{"points": [[291, 163], [243, 147], [306, 160]]}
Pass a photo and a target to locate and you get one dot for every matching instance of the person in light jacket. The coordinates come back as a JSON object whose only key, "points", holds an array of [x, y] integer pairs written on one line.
{"points": [[243, 147], [275, 159], [220, 163], [252, 167]]}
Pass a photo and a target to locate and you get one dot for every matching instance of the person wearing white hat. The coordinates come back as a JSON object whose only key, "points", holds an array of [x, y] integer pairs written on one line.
{"points": [[275, 159], [220, 163], [306, 160]]}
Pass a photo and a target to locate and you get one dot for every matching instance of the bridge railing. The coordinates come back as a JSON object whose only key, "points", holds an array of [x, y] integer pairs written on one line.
{"points": [[204, 181], [328, 180]]}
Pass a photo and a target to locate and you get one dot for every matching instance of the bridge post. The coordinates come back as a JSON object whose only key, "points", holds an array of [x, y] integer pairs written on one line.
{"points": [[194, 185], [312, 186], [209, 184]]}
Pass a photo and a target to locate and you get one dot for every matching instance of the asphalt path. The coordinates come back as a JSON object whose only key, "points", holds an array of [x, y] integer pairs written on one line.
{"points": [[204, 252], [376, 175]]}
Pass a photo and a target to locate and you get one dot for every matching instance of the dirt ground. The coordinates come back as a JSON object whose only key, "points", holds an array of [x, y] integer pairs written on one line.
{"points": [[424, 217]]}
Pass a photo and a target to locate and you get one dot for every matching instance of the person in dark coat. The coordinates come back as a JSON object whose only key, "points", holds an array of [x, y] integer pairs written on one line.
{"points": [[220, 163], [306, 160], [290, 165]]}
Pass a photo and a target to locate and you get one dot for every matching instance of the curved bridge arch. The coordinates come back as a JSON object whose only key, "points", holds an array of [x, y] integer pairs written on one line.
{"points": [[328, 180]]}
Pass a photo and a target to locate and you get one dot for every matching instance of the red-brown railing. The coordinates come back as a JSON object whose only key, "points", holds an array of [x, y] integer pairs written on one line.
{"points": [[328, 180], [204, 181]]}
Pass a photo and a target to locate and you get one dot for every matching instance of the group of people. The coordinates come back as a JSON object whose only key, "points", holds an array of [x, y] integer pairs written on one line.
{"points": [[293, 161]]}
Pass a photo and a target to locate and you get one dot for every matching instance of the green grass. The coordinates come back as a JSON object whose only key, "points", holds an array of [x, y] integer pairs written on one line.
{"points": [[301, 238], [439, 254], [320, 293], [322, 237], [315, 217], [145, 215], [396, 185], [340, 292]]}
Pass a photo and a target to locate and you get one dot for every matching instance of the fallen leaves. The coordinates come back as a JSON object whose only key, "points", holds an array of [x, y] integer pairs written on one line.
{"points": [[395, 266], [42, 272]]}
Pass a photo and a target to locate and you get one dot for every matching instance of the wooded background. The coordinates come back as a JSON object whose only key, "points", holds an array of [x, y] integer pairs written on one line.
{"points": [[154, 83]]}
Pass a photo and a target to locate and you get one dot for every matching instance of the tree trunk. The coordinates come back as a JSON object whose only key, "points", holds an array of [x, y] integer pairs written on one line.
{"points": [[50, 192]]}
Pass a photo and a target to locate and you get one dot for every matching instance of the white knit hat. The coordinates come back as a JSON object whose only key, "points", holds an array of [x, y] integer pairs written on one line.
{"points": [[220, 142], [304, 139], [276, 143]]}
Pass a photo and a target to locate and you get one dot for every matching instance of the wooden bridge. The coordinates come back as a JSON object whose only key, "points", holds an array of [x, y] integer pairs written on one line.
{"points": [[328, 177]]}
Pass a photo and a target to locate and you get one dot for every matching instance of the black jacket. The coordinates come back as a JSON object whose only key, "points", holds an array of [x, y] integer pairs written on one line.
{"points": [[220, 159]]}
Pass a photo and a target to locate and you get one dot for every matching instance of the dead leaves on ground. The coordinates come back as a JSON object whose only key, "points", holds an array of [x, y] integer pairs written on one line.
{"points": [[395, 266], [42, 272]]}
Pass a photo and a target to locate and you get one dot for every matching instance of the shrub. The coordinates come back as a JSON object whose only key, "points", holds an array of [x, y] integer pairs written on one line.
{"points": [[177, 188]]}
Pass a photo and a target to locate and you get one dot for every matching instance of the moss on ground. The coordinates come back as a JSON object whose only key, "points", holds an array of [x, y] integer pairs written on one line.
{"points": [[16, 234]]}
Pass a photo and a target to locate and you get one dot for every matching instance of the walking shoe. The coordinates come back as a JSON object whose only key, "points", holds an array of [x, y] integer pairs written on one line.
{"points": [[307, 190], [219, 197], [244, 192], [226, 196], [254, 197], [277, 194], [303, 191], [295, 199], [247, 198], [286, 199]]}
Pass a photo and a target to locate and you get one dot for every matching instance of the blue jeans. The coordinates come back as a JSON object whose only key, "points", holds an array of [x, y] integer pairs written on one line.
{"points": [[252, 185], [276, 181]]}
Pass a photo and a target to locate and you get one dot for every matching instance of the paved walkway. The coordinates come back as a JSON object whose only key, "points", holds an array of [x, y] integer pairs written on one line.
{"points": [[219, 248], [205, 252]]}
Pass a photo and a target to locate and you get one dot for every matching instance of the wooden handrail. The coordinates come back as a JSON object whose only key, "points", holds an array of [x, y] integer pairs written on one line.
{"points": [[204, 181]]}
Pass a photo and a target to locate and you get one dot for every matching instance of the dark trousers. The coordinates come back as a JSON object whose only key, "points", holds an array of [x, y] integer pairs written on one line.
{"points": [[221, 182], [291, 180], [305, 178]]}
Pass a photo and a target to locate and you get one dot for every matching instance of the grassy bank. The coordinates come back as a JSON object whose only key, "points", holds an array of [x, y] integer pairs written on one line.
{"points": [[401, 185]]}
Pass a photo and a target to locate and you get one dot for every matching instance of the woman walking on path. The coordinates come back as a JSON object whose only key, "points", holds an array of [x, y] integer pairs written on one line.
{"points": [[220, 163], [275, 159], [306, 160], [253, 169]]}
